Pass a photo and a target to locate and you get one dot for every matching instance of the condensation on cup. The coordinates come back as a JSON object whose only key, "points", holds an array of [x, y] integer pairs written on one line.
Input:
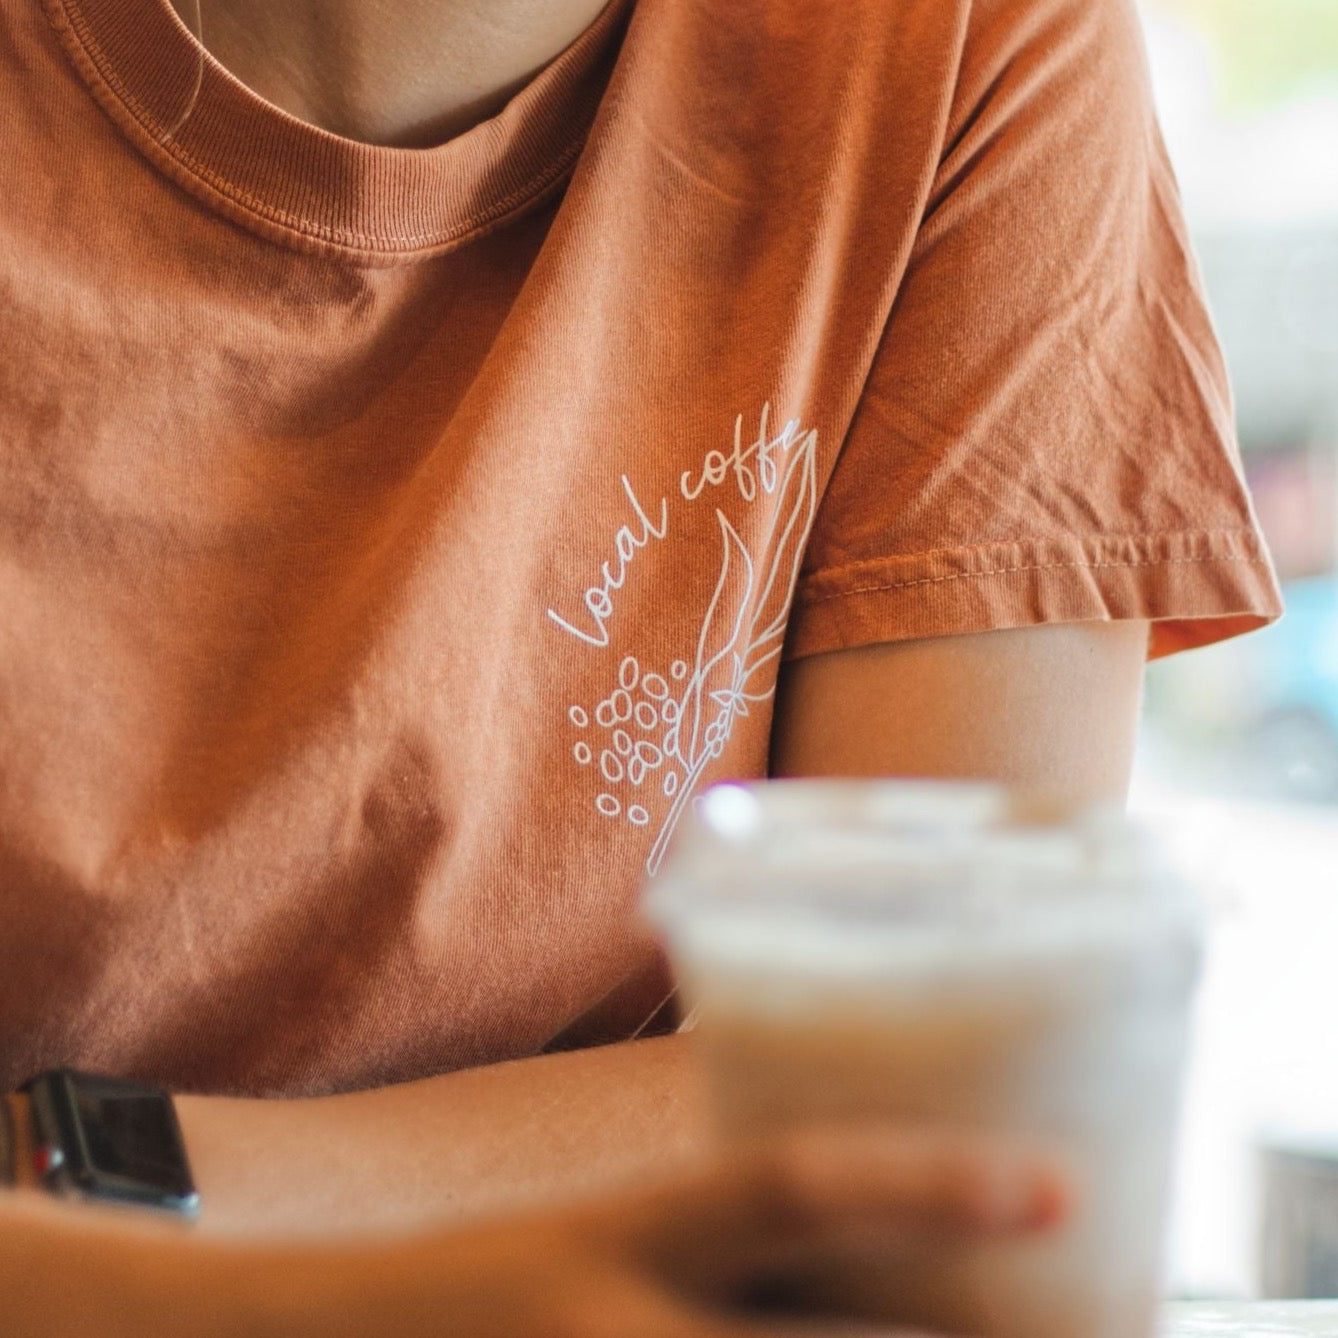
{"points": [[949, 956]]}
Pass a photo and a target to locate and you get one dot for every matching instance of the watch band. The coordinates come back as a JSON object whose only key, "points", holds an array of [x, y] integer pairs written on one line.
{"points": [[7, 1142]]}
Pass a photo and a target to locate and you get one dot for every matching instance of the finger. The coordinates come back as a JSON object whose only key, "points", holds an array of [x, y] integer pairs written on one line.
{"points": [[687, 1323], [624, 1306], [832, 1329], [822, 1182], [805, 1328]]}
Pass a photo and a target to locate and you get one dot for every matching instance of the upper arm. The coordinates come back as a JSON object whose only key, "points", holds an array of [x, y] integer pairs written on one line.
{"points": [[1049, 708]]}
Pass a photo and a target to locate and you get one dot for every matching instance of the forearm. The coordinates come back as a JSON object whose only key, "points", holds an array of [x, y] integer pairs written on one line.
{"points": [[672, 1260], [461, 1145], [479, 1142], [71, 1271]]}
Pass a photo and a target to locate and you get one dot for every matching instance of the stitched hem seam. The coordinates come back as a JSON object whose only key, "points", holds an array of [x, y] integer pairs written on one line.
{"points": [[1007, 571]]}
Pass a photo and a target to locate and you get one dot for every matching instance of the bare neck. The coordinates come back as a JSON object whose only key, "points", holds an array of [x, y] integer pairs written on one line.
{"points": [[410, 73]]}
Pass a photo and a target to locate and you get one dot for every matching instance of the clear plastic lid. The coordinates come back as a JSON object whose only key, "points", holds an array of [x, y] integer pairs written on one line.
{"points": [[858, 874]]}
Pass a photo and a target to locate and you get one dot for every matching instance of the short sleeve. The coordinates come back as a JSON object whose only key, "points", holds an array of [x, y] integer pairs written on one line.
{"points": [[1046, 433]]}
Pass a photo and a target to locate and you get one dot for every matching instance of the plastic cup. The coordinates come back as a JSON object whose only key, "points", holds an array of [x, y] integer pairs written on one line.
{"points": [[945, 956]]}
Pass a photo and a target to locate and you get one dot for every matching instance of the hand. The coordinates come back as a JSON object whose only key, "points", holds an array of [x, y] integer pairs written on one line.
{"points": [[679, 1262]]}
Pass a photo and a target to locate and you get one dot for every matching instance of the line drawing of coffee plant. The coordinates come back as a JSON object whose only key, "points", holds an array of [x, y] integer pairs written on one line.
{"points": [[661, 731]]}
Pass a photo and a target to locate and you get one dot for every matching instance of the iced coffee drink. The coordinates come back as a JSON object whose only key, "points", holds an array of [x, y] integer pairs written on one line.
{"points": [[932, 956]]}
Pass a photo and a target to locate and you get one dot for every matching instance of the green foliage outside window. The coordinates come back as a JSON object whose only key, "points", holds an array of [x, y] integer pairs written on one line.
{"points": [[1269, 50]]}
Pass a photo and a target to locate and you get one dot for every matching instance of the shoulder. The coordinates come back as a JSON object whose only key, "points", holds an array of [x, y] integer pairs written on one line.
{"points": [[1052, 97], [1054, 44]]}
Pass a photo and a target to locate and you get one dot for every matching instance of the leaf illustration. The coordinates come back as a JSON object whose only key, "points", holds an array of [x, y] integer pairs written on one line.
{"points": [[742, 635], [721, 630], [796, 507]]}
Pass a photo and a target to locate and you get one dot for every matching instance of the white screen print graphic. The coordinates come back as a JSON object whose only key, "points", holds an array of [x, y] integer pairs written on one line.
{"points": [[651, 739]]}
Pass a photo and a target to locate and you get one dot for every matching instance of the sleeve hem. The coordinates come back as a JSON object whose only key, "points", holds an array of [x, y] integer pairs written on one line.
{"points": [[1194, 586]]}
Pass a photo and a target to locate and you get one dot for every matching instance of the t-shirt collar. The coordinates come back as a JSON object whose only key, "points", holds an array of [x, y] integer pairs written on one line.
{"points": [[296, 183]]}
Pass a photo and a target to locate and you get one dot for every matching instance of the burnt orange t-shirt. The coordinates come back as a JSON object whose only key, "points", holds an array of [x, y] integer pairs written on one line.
{"points": [[393, 543]]}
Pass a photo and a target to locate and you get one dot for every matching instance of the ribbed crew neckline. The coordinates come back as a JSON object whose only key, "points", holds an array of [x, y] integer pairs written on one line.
{"points": [[297, 184]]}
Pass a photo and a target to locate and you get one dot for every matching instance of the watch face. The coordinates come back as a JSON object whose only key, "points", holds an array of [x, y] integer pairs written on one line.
{"points": [[108, 1139], [132, 1137]]}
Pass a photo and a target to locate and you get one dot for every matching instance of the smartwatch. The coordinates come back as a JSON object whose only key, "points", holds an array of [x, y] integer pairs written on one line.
{"points": [[109, 1140]]}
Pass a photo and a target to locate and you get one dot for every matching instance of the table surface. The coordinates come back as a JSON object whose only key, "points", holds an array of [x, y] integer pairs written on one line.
{"points": [[1251, 1319]]}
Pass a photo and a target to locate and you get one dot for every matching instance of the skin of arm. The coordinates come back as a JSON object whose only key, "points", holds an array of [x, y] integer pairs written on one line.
{"points": [[1050, 708], [668, 1263]]}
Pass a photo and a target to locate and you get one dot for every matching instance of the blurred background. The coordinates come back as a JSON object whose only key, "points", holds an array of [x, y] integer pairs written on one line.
{"points": [[1239, 758]]}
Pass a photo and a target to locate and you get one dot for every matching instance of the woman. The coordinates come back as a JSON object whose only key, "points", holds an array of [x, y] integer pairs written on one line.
{"points": [[440, 437]]}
